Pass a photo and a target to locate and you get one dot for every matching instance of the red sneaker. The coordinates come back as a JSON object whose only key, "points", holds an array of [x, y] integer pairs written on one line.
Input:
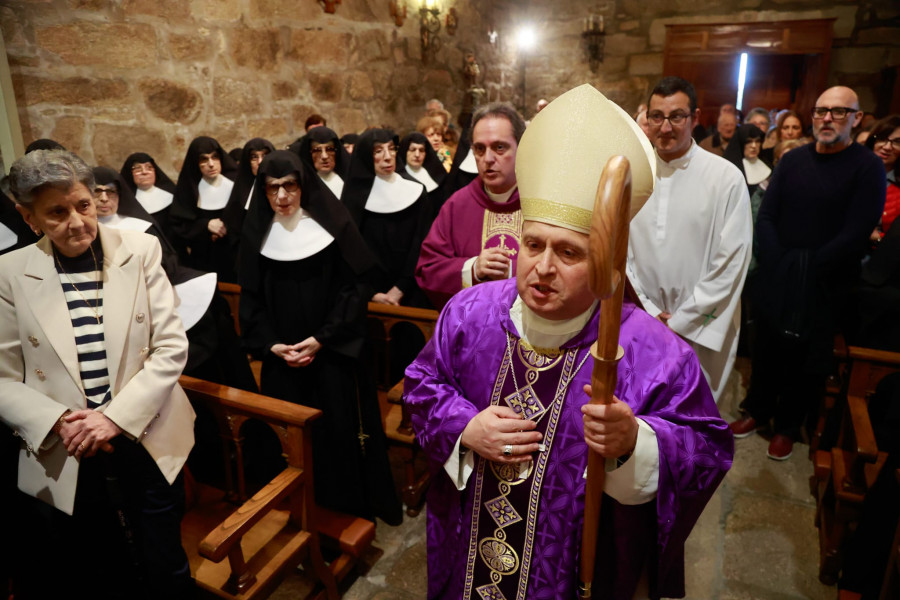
{"points": [[781, 447], [744, 427]]}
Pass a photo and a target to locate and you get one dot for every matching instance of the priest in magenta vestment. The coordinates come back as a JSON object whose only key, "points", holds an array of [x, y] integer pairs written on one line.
{"points": [[475, 237]]}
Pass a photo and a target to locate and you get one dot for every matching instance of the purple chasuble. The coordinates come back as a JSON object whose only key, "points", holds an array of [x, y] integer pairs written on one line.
{"points": [[474, 538], [468, 223]]}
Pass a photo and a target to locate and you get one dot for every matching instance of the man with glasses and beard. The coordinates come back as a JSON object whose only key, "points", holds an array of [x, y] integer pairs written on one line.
{"points": [[813, 228], [689, 247]]}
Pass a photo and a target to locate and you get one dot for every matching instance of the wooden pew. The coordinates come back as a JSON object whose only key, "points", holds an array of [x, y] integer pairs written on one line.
{"points": [[843, 475], [232, 294], [396, 420], [835, 390], [266, 536]]}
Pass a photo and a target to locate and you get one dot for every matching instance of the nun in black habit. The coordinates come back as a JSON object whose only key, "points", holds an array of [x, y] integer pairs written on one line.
{"points": [[743, 152], [463, 170], [204, 187], [417, 159], [213, 346], [151, 186], [323, 154], [303, 308], [239, 202], [393, 214], [348, 140]]}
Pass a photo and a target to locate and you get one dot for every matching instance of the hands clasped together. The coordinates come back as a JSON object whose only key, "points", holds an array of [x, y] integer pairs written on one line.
{"points": [[499, 434], [298, 355], [85, 432], [393, 296]]}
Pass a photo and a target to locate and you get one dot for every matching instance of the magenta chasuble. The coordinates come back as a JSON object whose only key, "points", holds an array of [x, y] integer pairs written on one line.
{"points": [[468, 223]]}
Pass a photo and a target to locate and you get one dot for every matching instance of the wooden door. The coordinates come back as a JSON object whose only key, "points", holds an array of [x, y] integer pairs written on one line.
{"points": [[787, 63]]}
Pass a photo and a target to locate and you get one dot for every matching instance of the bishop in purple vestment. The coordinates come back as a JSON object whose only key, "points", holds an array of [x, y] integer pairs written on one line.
{"points": [[499, 404], [475, 236]]}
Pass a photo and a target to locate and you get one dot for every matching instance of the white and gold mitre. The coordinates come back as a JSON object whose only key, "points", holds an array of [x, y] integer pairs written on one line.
{"points": [[564, 150]]}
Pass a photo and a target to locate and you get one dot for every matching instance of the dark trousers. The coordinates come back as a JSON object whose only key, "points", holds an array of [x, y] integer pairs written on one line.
{"points": [[123, 540], [786, 381]]}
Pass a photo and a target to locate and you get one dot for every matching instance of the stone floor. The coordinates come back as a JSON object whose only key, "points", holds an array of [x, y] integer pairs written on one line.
{"points": [[755, 540]]}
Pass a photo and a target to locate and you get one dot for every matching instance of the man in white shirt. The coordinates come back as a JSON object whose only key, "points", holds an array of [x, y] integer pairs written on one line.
{"points": [[689, 247]]}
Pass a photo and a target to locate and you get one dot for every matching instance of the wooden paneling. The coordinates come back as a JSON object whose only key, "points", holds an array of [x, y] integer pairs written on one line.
{"points": [[788, 62]]}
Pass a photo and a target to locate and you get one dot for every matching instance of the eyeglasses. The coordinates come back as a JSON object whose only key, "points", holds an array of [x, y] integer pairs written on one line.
{"points": [[329, 150], [108, 191], [838, 113], [384, 151], [257, 156], [675, 119], [145, 168], [893, 142], [289, 186]]}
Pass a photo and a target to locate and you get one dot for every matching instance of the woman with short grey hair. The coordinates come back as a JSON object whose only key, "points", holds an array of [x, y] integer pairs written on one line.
{"points": [[90, 354]]}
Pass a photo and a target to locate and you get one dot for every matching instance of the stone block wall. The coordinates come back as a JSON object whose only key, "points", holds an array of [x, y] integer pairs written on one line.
{"points": [[108, 77]]}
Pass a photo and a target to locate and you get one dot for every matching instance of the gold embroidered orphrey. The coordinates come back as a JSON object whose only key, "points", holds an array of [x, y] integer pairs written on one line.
{"points": [[500, 557], [504, 225]]}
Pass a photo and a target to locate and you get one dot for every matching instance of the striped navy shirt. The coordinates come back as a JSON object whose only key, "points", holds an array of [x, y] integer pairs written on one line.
{"points": [[82, 285]]}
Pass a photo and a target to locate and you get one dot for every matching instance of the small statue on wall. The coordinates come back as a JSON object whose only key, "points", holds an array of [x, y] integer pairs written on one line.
{"points": [[329, 5], [471, 70]]}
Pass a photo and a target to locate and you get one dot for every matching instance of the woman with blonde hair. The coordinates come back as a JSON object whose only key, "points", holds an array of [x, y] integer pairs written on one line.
{"points": [[432, 127]]}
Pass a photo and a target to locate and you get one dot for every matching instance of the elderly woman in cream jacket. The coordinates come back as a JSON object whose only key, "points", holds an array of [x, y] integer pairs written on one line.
{"points": [[90, 354]]}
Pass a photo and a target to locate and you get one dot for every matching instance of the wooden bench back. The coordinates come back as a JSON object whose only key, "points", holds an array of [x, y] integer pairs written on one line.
{"points": [[383, 318]]}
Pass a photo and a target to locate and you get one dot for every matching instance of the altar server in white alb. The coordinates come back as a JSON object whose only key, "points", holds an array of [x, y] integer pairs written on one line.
{"points": [[689, 247]]}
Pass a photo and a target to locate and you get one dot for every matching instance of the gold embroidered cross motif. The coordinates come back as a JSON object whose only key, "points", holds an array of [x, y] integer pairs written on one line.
{"points": [[509, 249]]}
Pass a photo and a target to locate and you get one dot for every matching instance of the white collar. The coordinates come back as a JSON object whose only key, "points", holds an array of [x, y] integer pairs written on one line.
{"points": [[154, 199], [333, 182], [249, 196], [468, 164], [214, 196], [422, 176], [194, 297], [117, 221], [8, 237], [392, 194], [678, 163], [502, 198], [294, 238], [546, 333], [756, 170]]}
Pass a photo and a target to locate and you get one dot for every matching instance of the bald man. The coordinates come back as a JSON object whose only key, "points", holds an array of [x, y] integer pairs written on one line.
{"points": [[813, 228], [726, 125]]}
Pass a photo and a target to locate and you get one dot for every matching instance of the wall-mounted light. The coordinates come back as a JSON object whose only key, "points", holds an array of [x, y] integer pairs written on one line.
{"points": [[429, 27], [526, 38], [594, 37], [329, 5]]}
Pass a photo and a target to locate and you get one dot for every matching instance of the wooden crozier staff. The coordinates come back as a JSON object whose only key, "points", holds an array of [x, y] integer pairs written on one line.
{"points": [[608, 249]]}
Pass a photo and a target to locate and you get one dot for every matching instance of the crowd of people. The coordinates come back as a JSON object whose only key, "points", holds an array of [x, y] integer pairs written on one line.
{"points": [[750, 237]]}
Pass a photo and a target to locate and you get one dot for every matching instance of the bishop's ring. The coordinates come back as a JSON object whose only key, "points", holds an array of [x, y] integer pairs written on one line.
{"points": [[507, 450]]}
